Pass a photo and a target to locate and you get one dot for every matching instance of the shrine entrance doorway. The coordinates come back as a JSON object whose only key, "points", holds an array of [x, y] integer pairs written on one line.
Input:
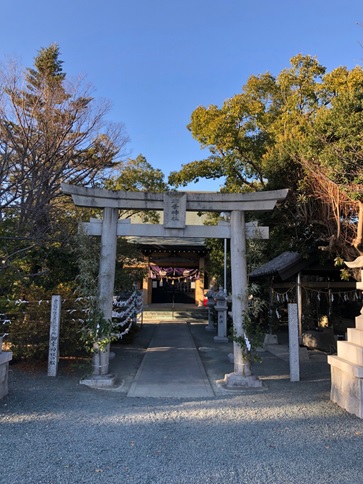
{"points": [[176, 271], [166, 291]]}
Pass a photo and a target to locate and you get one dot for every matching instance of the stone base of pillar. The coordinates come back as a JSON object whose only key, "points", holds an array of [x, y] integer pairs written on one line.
{"points": [[100, 360], [99, 381], [234, 381], [221, 339], [270, 339]]}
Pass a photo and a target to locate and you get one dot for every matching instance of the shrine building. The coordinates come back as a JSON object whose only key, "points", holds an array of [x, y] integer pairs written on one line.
{"points": [[175, 267]]}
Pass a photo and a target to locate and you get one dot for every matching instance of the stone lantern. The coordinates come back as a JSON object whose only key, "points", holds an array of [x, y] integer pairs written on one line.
{"points": [[221, 308], [210, 305]]}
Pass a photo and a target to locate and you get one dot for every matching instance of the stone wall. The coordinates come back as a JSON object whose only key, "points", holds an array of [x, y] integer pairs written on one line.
{"points": [[347, 371]]}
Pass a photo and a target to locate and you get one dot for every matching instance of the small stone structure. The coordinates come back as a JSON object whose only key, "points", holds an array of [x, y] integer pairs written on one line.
{"points": [[210, 305], [221, 308], [5, 357], [347, 366]]}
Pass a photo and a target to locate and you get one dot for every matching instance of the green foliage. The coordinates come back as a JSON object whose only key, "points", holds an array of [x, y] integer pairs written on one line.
{"points": [[215, 262], [138, 175], [235, 140], [130, 265], [253, 325], [28, 332], [95, 329], [344, 271], [50, 132], [256, 252], [299, 130], [96, 332]]}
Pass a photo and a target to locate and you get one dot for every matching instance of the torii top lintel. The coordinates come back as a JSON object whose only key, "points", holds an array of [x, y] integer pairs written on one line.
{"points": [[191, 201]]}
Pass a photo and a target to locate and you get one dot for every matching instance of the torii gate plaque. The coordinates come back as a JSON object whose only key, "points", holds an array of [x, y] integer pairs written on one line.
{"points": [[175, 204]]}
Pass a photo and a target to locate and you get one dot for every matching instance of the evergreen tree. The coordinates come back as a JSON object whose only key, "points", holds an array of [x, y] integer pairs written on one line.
{"points": [[51, 131]]}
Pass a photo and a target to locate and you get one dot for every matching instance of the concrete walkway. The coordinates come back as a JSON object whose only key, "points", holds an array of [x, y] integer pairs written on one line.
{"points": [[171, 366], [178, 359]]}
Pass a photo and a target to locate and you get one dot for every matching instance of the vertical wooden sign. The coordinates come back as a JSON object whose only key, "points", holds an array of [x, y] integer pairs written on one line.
{"points": [[53, 355], [294, 347]]}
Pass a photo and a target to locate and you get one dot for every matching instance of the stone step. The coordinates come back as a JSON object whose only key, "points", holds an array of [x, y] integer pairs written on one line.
{"points": [[350, 352], [167, 315], [345, 366], [355, 336], [359, 322]]}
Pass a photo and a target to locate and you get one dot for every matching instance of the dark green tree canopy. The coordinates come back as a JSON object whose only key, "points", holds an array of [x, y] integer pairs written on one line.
{"points": [[300, 130], [138, 175]]}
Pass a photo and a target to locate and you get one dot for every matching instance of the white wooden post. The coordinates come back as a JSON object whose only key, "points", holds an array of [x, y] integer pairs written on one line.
{"points": [[294, 347], [53, 353]]}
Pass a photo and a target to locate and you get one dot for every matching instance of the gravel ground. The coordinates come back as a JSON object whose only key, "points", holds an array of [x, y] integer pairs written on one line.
{"points": [[53, 430]]}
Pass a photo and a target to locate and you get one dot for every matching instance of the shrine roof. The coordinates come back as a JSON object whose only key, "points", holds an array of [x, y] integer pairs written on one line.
{"points": [[284, 265], [168, 241]]}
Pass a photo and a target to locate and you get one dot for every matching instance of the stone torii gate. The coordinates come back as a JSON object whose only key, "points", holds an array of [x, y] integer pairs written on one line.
{"points": [[175, 204]]}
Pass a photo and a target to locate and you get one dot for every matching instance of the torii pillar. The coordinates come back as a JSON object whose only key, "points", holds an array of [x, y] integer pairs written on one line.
{"points": [[175, 205], [106, 275], [242, 375], [106, 280], [239, 284]]}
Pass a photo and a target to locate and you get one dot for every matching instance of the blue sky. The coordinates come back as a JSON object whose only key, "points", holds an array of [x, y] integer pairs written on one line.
{"points": [[156, 61]]}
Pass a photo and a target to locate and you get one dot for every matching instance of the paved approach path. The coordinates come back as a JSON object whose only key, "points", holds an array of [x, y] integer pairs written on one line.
{"points": [[171, 366]]}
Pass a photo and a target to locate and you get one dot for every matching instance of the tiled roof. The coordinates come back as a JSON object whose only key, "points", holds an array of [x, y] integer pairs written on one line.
{"points": [[282, 265]]}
